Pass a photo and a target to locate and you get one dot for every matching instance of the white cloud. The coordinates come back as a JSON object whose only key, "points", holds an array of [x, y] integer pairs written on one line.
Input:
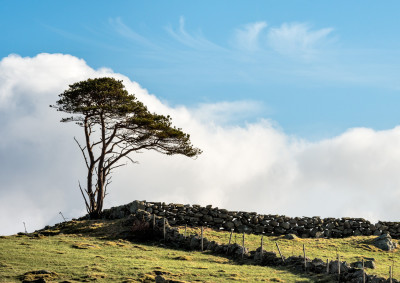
{"points": [[253, 167], [297, 39], [247, 37]]}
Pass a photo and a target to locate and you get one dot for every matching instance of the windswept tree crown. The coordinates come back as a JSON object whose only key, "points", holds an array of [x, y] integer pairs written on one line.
{"points": [[122, 124], [124, 117]]}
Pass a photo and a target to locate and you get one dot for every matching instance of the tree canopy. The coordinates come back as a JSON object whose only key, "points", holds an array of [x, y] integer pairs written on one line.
{"points": [[115, 124]]}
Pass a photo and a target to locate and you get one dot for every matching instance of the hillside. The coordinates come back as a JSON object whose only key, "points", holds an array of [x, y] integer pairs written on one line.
{"points": [[107, 251]]}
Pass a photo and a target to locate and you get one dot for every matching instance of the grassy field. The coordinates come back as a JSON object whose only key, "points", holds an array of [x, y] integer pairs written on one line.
{"points": [[350, 249], [91, 251]]}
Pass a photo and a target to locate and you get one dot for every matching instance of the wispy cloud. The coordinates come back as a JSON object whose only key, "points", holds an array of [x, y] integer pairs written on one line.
{"points": [[298, 39], [128, 33], [226, 112], [87, 39], [247, 38], [196, 41]]}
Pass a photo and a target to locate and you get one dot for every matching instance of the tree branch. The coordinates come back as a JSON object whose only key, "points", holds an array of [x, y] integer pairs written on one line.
{"points": [[86, 203], [116, 166], [83, 153]]}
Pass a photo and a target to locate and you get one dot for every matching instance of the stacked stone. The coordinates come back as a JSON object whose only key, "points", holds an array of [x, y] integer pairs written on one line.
{"points": [[251, 222], [348, 272]]}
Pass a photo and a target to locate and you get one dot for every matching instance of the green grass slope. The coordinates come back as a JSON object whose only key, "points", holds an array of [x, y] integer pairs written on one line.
{"points": [[86, 251]]}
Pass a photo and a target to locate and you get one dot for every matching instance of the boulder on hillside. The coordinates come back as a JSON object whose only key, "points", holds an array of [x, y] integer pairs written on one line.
{"points": [[384, 242], [367, 264], [258, 255], [290, 236], [334, 267]]}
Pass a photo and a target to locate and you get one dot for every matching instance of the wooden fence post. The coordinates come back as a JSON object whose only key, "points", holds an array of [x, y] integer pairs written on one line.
{"points": [[390, 274], [262, 245], [184, 234], [292, 248], [279, 250], [202, 239], [338, 263], [230, 237], [305, 260], [164, 232], [392, 266], [327, 266], [243, 246], [363, 270]]}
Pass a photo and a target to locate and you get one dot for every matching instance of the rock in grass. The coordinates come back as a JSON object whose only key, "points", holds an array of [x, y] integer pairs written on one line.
{"points": [[384, 242], [333, 267], [367, 264], [290, 236], [258, 255]]}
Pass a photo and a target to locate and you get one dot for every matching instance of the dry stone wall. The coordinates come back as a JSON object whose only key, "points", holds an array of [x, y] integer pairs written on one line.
{"points": [[146, 226], [251, 222]]}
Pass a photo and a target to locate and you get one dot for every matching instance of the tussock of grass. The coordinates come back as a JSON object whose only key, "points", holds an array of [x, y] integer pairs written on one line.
{"points": [[110, 243], [97, 275], [38, 236], [49, 232], [140, 248], [39, 274], [97, 269], [220, 260], [159, 272], [4, 265], [183, 257], [233, 279], [147, 278], [85, 246]]}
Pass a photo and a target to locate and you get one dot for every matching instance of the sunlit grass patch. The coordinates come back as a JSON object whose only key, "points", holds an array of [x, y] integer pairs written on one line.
{"points": [[118, 260]]}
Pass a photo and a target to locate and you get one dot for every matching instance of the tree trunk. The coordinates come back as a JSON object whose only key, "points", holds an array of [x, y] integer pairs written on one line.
{"points": [[92, 201]]}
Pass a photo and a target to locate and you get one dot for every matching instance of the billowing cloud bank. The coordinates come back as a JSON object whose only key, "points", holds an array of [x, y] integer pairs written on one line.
{"points": [[254, 167]]}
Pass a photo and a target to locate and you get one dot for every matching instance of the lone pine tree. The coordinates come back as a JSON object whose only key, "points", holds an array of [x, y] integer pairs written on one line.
{"points": [[115, 124]]}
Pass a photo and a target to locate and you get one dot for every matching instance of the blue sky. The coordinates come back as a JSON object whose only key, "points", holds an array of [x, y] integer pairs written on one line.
{"points": [[316, 68], [295, 104]]}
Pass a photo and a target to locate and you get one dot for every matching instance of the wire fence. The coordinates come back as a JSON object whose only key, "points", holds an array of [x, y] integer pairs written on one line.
{"points": [[325, 249]]}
